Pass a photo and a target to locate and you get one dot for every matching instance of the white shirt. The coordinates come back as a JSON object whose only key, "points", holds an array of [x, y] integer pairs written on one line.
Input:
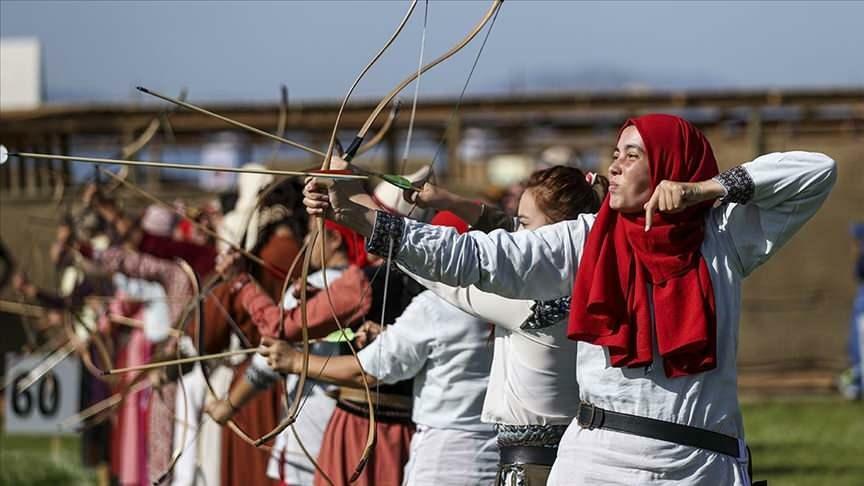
{"points": [[541, 264], [533, 375], [448, 354]]}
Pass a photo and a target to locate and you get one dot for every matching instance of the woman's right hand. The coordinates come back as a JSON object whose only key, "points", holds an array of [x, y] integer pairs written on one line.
{"points": [[367, 333], [281, 355], [221, 411]]}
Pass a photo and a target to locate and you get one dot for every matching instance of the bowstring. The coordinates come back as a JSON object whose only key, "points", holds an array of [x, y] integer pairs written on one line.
{"points": [[459, 101], [416, 90]]}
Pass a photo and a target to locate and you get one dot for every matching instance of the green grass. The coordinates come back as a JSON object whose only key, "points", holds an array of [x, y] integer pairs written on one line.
{"points": [[807, 442], [28, 461], [795, 442]]}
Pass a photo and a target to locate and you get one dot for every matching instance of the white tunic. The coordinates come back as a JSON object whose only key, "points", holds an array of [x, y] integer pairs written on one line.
{"points": [[533, 375], [789, 188], [448, 354]]}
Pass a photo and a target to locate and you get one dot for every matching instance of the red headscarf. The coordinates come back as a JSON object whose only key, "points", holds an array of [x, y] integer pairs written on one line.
{"points": [[611, 304], [355, 246], [447, 218]]}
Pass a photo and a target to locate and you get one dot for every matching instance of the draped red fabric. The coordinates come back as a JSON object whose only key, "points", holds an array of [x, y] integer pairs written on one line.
{"points": [[355, 245], [612, 300]]}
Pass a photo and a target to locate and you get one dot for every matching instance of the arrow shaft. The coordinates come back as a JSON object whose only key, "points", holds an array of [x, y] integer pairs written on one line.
{"points": [[192, 359], [171, 165]]}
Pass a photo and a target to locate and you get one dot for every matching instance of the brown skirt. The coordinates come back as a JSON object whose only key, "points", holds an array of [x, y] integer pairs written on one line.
{"points": [[243, 464], [343, 444]]}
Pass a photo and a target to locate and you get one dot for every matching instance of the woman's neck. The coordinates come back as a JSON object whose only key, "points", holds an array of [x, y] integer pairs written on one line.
{"points": [[337, 260]]}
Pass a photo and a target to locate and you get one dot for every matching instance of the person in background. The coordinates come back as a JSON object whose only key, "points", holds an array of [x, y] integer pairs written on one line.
{"points": [[851, 382], [447, 353]]}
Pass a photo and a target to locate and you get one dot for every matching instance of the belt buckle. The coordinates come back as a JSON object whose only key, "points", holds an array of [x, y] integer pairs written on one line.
{"points": [[595, 420]]}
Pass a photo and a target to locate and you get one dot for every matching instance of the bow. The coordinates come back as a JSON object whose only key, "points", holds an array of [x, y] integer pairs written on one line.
{"points": [[350, 152], [294, 407]]}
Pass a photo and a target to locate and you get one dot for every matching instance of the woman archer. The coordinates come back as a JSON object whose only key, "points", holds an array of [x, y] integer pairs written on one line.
{"points": [[655, 280]]}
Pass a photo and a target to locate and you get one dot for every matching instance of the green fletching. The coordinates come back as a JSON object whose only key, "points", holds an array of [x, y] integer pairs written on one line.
{"points": [[338, 337], [398, 181]]}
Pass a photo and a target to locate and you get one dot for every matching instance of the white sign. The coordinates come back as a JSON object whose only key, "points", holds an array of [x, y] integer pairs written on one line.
{"points": [[41, 407], [20, 73]]}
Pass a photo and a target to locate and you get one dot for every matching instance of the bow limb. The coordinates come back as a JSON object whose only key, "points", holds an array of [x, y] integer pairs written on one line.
{"points": [[370, 435], [358, 139], [130, 149], [281, 123], [383, 130], [75, 323], [231, 424], [377, 56], [294, 407]]}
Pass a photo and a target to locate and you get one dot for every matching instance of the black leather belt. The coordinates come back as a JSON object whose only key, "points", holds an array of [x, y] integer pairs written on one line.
{"points": [[544, 456], [382, 414], [591, 417]]}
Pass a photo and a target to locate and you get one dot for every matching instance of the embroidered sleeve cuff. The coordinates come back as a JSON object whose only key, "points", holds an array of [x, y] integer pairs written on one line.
{"points": [[738, 184], [387, 228], [547, 313], [261, 377]]}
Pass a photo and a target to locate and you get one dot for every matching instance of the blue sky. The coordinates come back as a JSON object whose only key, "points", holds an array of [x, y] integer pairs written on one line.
{"points": [[242, 51]]}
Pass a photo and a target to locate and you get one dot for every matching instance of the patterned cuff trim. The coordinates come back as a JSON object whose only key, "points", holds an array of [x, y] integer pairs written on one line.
{"points": [[260, 379], [738, 184], [547, 313], [387, 228]]}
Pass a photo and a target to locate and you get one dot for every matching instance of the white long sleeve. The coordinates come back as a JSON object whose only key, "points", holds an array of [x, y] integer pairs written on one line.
{"points": [[536, 265], [789, 187]]}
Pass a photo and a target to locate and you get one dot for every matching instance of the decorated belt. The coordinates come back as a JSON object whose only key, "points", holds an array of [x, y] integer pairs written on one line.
{"points": [[547, 436]]}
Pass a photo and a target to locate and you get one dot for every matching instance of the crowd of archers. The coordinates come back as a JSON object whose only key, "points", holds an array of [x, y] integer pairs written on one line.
{"points": [[589, 338]]}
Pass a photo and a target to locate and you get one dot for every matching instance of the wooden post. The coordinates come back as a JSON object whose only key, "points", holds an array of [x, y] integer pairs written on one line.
{"points": [[126, 137], [65, 170], [153, 178], [15, 173], [30, 172], [755, 133], [44, 167], [57, 175]]}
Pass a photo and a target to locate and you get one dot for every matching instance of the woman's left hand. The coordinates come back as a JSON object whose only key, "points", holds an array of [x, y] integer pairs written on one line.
{"points": [[674, 197]]}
